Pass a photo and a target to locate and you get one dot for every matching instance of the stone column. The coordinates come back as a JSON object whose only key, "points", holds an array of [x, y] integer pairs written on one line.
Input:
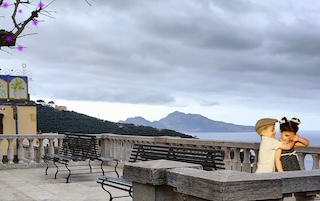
{"points": [[31, 151], [10, 151], [51, 148], [1, 153], [246, 165], [20, 151], [41, 147]]}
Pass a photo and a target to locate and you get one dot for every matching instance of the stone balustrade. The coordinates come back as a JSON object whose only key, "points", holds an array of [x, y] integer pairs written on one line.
{"points": [[180, 180], [32, 147], [29, 149], [119, 146]]}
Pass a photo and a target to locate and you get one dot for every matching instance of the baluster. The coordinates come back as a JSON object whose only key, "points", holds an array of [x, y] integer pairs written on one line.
{"points": [[41, 147], [31, 151], [302, 157], [20, 151], [112, 148], [51, 148], [227, 161], [246, 165], [254, 165], [315, 158], [237, 162], [10, 151], [121, 150], [1, 153], [60, 142]]}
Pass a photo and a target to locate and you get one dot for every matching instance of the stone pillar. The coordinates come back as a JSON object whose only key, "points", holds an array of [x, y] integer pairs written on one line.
{"points": [[41, 147], [1, 153], [20, 151], [301, 160], [51, 148], [246, 165], [31, 151], [10, 151], [315, 158], [237, 162]]}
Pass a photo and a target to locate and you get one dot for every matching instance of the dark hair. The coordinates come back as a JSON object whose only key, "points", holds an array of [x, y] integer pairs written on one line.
{"points": [[291, 126]]}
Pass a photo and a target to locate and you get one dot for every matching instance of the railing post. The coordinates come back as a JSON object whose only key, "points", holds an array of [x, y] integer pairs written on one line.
{"points": [[315, 164], [1, 153], [10, 151], [302, 157], [254, 165], [41, 147], [227, 160], [237, 162], [31, 150], [51, 148], [246, 165], [20, 151]]}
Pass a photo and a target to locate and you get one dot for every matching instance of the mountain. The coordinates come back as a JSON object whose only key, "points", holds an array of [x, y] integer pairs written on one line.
{"points": [[182, 122], [50, 119]]}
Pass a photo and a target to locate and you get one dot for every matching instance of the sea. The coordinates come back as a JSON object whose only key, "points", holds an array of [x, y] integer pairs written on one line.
{"points": [[312, 136]]}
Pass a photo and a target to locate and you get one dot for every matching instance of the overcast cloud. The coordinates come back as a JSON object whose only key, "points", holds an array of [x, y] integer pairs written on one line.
{"points": [[232, 61]]}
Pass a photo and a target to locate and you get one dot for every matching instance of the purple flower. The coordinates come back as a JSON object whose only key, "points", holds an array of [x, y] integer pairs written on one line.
{"points": [[9, 38], [5, 5], [35, 22], [20, 48], [40, 5]]}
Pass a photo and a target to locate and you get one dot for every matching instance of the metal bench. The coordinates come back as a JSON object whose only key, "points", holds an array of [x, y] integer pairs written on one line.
{"points": [[77, 147], [210, 159]]}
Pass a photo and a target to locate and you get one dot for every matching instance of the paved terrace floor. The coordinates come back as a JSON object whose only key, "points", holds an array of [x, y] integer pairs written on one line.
{"points": [[33, 185]]}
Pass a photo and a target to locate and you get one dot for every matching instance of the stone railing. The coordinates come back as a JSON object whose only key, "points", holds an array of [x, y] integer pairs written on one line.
{"points": [[119, 146], [169, 179], [32, 147], [28, 151]]}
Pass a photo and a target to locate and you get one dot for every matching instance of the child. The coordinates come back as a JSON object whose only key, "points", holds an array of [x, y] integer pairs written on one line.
{"points": [[269, 145], [287, 160]]}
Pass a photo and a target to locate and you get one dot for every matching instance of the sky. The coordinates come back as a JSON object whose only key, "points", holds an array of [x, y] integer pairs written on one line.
{"points": [[231, 61]]}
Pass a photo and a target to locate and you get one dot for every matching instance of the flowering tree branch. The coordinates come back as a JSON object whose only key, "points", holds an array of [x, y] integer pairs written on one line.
{"points": [[8, 38]]}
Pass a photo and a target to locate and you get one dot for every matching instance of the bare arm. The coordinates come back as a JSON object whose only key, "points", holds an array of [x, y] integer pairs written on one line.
{"points": [[287, 146], [277, 160], [301, 142]]}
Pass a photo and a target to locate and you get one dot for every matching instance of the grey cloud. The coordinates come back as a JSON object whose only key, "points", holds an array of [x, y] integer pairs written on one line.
{"points": [[158, 51]]}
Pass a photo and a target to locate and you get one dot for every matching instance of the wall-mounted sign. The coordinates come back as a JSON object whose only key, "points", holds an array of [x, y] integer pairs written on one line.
{"points": [[14, 87]]}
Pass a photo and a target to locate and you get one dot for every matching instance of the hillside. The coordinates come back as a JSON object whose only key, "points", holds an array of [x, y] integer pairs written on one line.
{"points": [[190, 123], [52, 120]]}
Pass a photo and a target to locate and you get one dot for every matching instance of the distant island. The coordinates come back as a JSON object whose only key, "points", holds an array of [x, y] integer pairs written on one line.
{"points": [[182, 122]]}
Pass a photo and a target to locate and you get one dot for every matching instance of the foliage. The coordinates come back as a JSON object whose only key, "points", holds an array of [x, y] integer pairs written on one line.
{"points": [[53, 120]]}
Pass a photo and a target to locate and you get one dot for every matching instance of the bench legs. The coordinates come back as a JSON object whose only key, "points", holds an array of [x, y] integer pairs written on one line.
{"points": [[55, 175], [69, 172], [111, 197], [115, 168], [46, 171]]}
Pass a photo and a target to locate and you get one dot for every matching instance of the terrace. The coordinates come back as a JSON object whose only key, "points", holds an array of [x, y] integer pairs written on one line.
{"points": [[26, 180]]}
